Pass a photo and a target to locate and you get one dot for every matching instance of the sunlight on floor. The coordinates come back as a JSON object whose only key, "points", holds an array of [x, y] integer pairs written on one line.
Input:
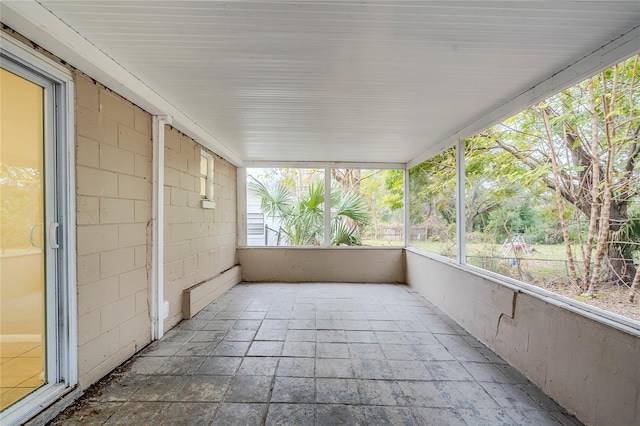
{"points": [[21, 370]]}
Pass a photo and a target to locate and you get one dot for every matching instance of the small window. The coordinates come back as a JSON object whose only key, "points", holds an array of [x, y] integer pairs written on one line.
{"points": [[206, 180]]}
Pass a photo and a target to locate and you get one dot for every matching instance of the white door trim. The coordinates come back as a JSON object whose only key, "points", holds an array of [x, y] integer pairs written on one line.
{"points": [[63, 373]]}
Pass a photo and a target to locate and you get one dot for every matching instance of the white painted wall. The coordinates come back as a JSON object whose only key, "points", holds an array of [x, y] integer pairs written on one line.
{"points": [[591, 369]]}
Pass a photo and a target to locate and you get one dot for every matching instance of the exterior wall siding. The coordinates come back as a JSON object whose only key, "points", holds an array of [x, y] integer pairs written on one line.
{"points": [[113, 204], [199, 243]]}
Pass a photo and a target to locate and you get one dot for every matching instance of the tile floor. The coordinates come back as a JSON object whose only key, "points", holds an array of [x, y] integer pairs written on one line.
{"points": [[21, 370], [324, 354]]}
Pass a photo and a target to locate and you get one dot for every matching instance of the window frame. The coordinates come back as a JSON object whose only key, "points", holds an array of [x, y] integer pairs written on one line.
{"points": [[208, 201], [602, 316], [326, 167]]}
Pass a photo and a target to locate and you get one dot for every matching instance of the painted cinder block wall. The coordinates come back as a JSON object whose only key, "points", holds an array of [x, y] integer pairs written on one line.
{"points": [[113, 207], [200, 243], [113, 150], [590, 368]]}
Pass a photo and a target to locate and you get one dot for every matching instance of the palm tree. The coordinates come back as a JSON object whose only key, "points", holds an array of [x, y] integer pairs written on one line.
{"points": [[302, 217]]}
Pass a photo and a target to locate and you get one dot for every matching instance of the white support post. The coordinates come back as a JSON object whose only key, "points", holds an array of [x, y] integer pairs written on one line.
{"points": [[460, 203], [242, 205], [158, 310], [327, 207], [407, 216]]}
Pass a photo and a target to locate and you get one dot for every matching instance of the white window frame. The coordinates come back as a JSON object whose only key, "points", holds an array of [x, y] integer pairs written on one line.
{"points": [[62, 356], [208, 202], [602, 316], [319, 165]]}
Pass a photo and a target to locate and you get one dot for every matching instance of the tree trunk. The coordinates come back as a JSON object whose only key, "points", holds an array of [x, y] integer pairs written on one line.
{"points": [[471, 213], [621, 269], [349, 179], [607, 193], [635, 285], [559, 198], [595, 182]]}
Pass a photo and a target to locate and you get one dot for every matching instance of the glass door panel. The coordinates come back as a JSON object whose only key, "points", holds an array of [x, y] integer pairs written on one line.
{"points": [[22, 238]]}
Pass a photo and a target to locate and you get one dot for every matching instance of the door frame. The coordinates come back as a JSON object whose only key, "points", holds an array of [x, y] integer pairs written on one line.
{"points": [[60, 207]]}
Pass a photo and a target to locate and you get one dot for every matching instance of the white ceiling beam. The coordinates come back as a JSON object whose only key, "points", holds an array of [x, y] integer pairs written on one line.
{"points": [[39, 25], [612, 53], [324, 165]]}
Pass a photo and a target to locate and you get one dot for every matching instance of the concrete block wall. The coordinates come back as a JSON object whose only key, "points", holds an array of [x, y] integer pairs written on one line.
{"points": [[590, 368], [199, 243], [113, 203]]}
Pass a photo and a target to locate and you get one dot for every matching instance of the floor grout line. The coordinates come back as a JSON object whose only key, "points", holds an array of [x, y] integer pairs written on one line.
{"points": [[380, 372]]}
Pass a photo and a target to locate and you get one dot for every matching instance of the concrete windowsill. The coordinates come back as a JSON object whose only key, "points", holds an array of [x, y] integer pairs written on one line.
{"points": [[208, 204]]}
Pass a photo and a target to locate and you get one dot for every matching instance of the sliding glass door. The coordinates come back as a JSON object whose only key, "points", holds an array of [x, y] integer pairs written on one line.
{"points": [[37, 296]]}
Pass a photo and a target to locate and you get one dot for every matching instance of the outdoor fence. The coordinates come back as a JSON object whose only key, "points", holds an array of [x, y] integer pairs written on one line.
{"points": [[530, 269], [275, 237]]}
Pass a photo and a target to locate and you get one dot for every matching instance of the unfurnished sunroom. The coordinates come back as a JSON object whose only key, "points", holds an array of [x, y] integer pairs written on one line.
{"points": [[157, 157]]}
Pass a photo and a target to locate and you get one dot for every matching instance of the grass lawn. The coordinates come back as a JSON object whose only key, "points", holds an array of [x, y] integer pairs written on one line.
{"points": [[546, 261], [546, 267], [542, 251], [383, 243]]}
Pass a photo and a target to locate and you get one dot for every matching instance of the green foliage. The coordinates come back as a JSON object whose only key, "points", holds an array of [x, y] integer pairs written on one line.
{"points": [[510, 180], [302, 215], [513, 216], [349, 204], [432, 186], [276, 198], [629, 237], [394, 183], [583, 141], [384, 205]]}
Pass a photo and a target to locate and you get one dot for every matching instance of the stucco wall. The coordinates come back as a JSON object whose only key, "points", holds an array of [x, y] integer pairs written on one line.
{"points": [[322, 264], [591, 369], [199, 243], [113, 203]]}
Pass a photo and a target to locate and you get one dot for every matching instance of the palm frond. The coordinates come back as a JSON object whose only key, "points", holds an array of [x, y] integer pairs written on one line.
{"points": [[276, 199], [351, 204], [344, 235], [302, 217], [314, 198]]}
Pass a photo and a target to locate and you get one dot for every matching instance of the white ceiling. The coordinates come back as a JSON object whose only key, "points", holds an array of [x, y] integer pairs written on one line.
{"points": [[342, 81]]}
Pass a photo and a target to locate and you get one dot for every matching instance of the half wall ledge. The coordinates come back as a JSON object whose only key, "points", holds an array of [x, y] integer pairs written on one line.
{"points": [[581, 361], [322, 264], [200, 295]]}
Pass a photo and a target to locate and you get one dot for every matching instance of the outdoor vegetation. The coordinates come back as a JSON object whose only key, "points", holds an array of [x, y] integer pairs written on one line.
{"points": [[362, 211], [552, 196], [432, 203]]}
